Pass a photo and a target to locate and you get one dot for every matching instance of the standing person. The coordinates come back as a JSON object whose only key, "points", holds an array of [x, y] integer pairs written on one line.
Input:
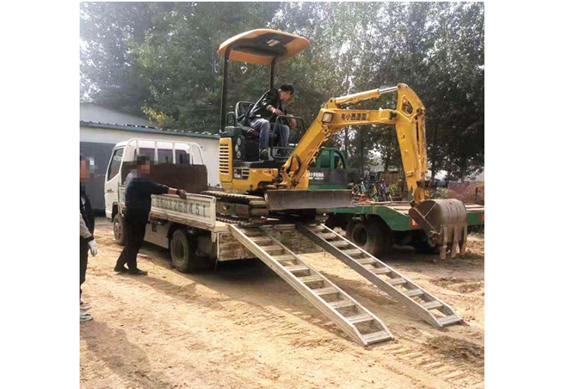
{"points": [[362, 187], [86, 238], [383, 190], [138, 190], [376, 190], [265, 110]]}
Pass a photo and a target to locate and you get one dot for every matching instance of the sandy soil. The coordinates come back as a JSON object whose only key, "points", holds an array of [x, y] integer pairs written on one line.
{"points": [[241, 326]]}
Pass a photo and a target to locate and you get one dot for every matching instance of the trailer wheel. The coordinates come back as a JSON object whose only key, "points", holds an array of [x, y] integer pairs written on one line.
{"points": [[422, 246], [372, 237], [119, 229], [183, 253], [350, 229]]}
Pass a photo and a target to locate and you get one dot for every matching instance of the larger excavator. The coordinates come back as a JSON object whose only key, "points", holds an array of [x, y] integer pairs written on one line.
{"points": [[256, 190]]}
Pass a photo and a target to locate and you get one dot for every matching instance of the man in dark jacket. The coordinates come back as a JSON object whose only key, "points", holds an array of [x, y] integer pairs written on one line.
{"points": [[86, 229], [139, 188], [267, 108]]}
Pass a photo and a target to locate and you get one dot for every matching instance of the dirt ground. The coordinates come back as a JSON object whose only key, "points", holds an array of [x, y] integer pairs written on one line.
{"points": [[241, 326]]}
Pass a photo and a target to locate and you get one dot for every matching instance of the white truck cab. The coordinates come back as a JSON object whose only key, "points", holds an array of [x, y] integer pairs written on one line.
{"points": [[187, 227], [161, 152]]}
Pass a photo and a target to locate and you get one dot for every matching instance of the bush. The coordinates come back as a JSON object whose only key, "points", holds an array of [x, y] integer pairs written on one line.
{"points": [[441, 193]]}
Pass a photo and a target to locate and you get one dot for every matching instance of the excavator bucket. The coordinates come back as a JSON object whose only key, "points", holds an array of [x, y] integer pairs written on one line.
{"points": [[445, 223], [286, 199]]}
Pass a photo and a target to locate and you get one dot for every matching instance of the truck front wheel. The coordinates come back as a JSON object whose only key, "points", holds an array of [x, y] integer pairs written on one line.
{"points": [[183, 252], [119, 229], [371, 237]]}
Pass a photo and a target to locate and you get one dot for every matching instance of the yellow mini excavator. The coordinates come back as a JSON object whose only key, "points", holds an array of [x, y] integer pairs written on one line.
{"points": [[278, 187]]}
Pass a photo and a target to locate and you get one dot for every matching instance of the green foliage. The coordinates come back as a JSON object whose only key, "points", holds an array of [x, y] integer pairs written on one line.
{"points": [[159, 119], [440, 193], [108, 72], [393, 190], [163, 56]]}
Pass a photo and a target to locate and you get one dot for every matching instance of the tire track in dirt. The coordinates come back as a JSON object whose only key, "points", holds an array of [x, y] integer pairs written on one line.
{"points": [[444, 354], [442, 358]]}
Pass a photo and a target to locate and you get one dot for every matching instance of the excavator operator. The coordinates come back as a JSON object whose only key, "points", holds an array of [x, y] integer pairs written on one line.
{"points": [[263, 114]]}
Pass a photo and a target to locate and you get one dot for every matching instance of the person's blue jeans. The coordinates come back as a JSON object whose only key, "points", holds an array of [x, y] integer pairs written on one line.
{"points": [[265, 128]]}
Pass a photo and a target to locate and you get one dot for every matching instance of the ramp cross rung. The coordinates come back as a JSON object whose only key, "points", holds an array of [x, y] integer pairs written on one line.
{"points": [[310, 279], [283, 258], [341, 304], [414, 292], [324, 291], [381, 270], [339, 243], [366, 261], [326, 236], [432, 304], [397, 281], [352, 252], [271, 248], [296, 268], [363, 318], [375, 337]]}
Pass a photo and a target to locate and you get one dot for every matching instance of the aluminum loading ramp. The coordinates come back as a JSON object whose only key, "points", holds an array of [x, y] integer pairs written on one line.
{"points": [[420, 302], [356, 321]]}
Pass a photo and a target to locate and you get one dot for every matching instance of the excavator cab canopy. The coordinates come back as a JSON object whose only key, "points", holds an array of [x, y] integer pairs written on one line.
{"points": [[262, 47]]}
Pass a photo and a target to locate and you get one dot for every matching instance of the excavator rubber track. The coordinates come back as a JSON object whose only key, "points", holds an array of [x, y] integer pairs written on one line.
{"points": [[237, 208]]}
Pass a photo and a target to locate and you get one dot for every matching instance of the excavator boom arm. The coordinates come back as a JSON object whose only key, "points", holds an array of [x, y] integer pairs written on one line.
{"points": [[408, 118]]}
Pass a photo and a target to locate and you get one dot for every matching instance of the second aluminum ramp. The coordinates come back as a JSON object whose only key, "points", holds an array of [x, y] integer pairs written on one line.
{"points": [[418, 300]]}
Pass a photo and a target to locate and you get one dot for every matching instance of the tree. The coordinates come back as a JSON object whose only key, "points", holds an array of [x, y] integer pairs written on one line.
{"points": [[108, 74], [178, 61], [162, 57], [436, 48]]}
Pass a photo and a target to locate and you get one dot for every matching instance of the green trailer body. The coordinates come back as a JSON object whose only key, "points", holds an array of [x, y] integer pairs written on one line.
{"points": [[375, 226], [396, 216]]}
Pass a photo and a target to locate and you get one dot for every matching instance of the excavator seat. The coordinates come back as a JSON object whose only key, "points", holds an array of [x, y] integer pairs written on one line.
{"points": [[241, 111], [240, 130]]}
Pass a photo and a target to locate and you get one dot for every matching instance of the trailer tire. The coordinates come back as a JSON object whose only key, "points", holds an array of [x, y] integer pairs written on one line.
{"points": [[350, 229], [372, 237], [183, 253], [422, 246], [119, 230]]}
